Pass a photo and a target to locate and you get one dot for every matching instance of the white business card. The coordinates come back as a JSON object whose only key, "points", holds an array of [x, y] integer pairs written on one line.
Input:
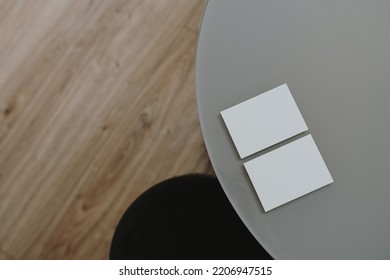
{"points": [[288, 172], [263, 121]]}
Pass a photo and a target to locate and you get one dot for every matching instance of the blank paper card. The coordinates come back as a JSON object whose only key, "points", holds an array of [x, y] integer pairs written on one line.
{"points": [[263, 121], [288, 172]]}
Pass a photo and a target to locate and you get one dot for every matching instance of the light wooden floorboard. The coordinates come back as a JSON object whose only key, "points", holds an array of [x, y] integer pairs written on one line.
{"points": [[97, 104]]}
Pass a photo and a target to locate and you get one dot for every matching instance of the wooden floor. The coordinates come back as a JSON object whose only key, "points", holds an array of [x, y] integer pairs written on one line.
{"points": [[97, 104]]}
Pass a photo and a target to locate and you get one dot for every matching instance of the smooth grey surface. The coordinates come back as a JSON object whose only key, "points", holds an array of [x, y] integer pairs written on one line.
{"points": [[335, 58]]}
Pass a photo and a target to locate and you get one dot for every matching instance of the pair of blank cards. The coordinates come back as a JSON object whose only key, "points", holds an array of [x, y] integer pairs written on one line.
{"points": [[287, 172]]}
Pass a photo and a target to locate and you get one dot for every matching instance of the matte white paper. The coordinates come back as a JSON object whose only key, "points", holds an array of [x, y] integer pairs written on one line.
{"points": [[288, 172], [263, 120]]}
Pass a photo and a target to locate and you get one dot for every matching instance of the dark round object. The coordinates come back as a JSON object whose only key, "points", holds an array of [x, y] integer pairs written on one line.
{"points": [[187, 217]]}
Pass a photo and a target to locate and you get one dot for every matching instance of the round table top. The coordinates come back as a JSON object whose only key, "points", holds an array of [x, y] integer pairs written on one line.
{"points": [[335, 57]]}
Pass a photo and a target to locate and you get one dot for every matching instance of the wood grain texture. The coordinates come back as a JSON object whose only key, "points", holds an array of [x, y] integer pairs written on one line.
{"points": [[5, 256], [97, 104]]}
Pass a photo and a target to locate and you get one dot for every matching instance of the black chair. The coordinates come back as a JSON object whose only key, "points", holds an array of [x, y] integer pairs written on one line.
{"points": [[187, 217]]}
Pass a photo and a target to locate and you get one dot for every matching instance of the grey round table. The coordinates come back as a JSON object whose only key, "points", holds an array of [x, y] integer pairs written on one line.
{"points": [[335, 57]]}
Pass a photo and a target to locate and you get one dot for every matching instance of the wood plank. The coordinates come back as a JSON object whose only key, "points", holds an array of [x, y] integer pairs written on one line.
{"points": [[98, 106], [195, 20], [4, 255]]}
